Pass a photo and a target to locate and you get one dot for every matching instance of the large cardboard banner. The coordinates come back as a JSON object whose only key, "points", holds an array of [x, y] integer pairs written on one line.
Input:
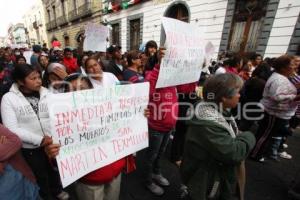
{"points": [[184, 54], [95, 37], [97, 127]]}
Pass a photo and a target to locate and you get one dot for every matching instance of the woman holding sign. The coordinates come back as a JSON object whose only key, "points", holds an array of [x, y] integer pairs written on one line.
{"points": [[163, 108], [214, 148], [103, 183], [24, 111]]}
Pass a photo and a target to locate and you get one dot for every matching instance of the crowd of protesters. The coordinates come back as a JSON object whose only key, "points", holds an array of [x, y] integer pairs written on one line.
{"points": [[209, 149]]}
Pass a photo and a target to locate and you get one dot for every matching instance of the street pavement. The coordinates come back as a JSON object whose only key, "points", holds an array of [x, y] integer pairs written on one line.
{"points": [[265, 181]]}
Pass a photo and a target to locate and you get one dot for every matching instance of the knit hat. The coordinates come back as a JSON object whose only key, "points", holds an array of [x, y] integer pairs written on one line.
{"points": [[52, 66]]}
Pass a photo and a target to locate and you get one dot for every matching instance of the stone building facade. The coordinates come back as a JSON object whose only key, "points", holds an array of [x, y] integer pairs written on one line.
{"points": [[66, 19], [269, 27], [34, 21]]}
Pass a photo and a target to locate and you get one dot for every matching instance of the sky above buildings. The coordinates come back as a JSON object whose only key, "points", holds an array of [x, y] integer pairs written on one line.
{"points": [[12, 11]]}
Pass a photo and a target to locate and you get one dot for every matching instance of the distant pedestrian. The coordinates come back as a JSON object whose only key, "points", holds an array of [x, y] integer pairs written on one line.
{"points": [[37, 50], [69, 61]]}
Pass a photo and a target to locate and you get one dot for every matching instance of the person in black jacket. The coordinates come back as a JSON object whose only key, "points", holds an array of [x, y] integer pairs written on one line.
{"points": [[115, 65]]}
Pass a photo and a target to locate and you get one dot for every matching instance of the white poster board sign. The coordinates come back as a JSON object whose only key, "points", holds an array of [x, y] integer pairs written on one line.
{"points": [[97, 127], [27, 55], [184, 54], [95, 37], [209, 49]]}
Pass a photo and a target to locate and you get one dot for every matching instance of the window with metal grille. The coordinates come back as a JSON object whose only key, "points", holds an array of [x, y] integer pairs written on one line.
{"points": [[115, 34], [135, 34]]}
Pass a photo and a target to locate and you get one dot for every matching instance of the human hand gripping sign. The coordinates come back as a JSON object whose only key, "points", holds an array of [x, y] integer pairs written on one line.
{"points": [[147, 113], [52, 150], [161, 53]]}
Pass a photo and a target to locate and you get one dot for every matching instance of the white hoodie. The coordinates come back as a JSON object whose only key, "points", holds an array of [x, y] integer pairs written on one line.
{"points": [[19, 117]]}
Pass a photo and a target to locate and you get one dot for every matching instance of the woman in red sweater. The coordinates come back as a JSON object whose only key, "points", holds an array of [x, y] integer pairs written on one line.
{"points": [[163, 108]]}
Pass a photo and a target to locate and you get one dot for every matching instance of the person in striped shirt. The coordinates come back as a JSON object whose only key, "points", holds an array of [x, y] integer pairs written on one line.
{"points": [[280, 103], [295, 79], [131, 73]]}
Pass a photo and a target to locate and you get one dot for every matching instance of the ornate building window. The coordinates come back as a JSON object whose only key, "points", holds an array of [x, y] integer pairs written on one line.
{"points": [[247, 23], [135, 33]]}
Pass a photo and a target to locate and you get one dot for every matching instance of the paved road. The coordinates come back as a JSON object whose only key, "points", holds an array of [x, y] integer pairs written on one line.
{"points": [[268, 181]]}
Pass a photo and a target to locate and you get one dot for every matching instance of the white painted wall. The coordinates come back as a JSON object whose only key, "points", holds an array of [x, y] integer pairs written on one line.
{"points": [[208, 14], [283, 27]]}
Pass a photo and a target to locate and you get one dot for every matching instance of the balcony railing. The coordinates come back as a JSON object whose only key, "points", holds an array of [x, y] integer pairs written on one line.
{"points": [[62, 20], [73, 15], [48, 26], [85, 10], [51, 25]]}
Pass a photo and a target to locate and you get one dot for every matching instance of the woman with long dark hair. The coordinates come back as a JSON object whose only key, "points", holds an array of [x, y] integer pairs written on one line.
{"points": [[24, 111]]}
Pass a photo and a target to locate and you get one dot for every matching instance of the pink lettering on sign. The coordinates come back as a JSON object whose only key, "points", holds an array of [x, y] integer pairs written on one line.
{"points": [[72, 165], [122, 144], [124, 131], [126, 103], [64, 131], [175, 38], [83, 114], [82, 126], [99, 155]]}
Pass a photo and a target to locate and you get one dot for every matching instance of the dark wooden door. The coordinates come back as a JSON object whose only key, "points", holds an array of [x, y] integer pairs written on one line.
{"points": [[247, 24]]}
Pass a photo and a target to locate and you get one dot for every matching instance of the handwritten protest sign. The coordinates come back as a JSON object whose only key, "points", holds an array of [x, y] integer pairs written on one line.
{"points": [[97, 127], [184, 54], [209, 52], [209, 49], [95, 37], [27, 55]]}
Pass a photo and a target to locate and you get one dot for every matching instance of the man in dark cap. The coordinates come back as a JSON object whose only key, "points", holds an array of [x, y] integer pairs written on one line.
{"points": [[115, 65]]}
